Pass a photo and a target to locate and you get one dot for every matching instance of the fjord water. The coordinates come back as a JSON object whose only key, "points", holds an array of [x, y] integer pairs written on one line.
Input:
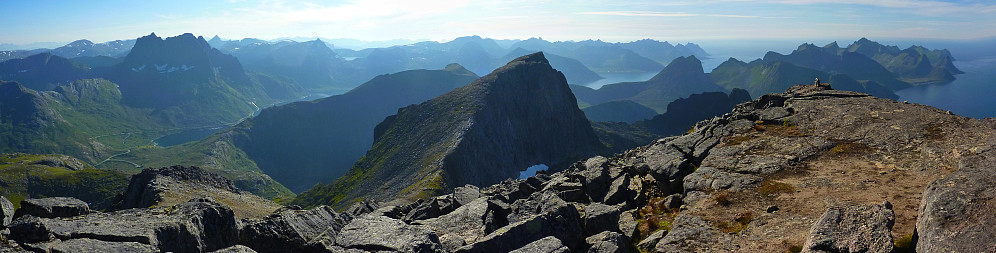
{"points": [[970, 95]]}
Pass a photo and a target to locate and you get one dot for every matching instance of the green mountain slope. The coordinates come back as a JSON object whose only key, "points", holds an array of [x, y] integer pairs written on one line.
{"points": [[40, 176]]}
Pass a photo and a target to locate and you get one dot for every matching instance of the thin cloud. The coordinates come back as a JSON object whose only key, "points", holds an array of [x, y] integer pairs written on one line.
{"points": [[639, 14], [665, 14]]}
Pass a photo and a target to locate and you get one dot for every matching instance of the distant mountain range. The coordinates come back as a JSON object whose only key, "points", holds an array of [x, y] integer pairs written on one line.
{"points": [[864, 66]]}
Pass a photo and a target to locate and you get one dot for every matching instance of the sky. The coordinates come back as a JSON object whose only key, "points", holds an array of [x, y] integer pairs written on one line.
{"points": [[28, 21]]}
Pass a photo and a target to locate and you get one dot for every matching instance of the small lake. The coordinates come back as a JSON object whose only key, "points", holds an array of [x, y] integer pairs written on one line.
{"points": [[970, 95], [186, 136], [531, 171], [611, 78]]}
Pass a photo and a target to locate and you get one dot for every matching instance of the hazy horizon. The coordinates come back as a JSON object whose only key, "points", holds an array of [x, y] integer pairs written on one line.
{"points": [[437, 20]]}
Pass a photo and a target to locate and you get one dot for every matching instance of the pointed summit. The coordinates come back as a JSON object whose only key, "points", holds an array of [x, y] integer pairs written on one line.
{"points": [[520, 115]]}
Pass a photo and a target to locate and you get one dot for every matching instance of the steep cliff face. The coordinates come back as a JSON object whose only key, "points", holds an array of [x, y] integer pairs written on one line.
{"points": [[182, 76], [520, 115], [304, 143]]}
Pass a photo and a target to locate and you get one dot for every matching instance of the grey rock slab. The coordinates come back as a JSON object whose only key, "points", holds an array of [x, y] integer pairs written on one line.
{"points": [[190, 226], [608, 242], [958, 212], [773, 113], [563, 222], [548, 244], [648, 244], [708, 178], [53, 207], [627, 223], [86, 245], [463, 226], [378, 233], [853, 228], [466, 194], [619, 191], [538, 203], [692, 234], [293, 230], [600, 217]]}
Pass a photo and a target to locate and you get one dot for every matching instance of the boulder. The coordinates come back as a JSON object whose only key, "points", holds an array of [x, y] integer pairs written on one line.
{"points": [[619, 191], [690, 234], [608, 242], [433, 208], [596, 178], [548, 244], [627, 223], [187, 227], [562, 222], [509, 190], [853, 228], [466, 194], [379, 233], [463, 226], [292, 230], [958, 212], [54, 207], [648, 244], [600, 217], [673, 201], [567, 188], [538, 203], [6, 212]]}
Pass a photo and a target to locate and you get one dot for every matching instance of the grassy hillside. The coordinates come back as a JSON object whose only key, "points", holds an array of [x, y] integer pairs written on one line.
{"points": [[39, 176]]}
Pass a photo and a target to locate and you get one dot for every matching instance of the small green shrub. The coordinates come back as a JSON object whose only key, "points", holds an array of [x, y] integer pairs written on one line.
{"points": [[904, 244], [850, 148], [772, 187], [795, 248]]}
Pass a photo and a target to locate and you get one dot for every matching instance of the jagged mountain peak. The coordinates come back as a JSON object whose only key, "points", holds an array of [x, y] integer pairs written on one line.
{"points": [[519, 115], [681, 66]]}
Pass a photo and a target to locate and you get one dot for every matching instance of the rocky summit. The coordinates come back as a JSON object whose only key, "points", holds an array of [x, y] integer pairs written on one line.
{"points": [[163, 187], [809, 170], [520, 115]]}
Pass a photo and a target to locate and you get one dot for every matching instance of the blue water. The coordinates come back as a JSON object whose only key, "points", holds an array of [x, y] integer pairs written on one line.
{"points": [[971, 95], [531, 171], [611, 78]]}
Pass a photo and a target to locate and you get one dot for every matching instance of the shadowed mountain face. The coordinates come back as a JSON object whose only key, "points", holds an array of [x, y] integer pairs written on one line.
{"points": [[185, 75], [682, 114], [681, 78], [619, 111], [304, 143], [42, 71], [520, 115]]}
